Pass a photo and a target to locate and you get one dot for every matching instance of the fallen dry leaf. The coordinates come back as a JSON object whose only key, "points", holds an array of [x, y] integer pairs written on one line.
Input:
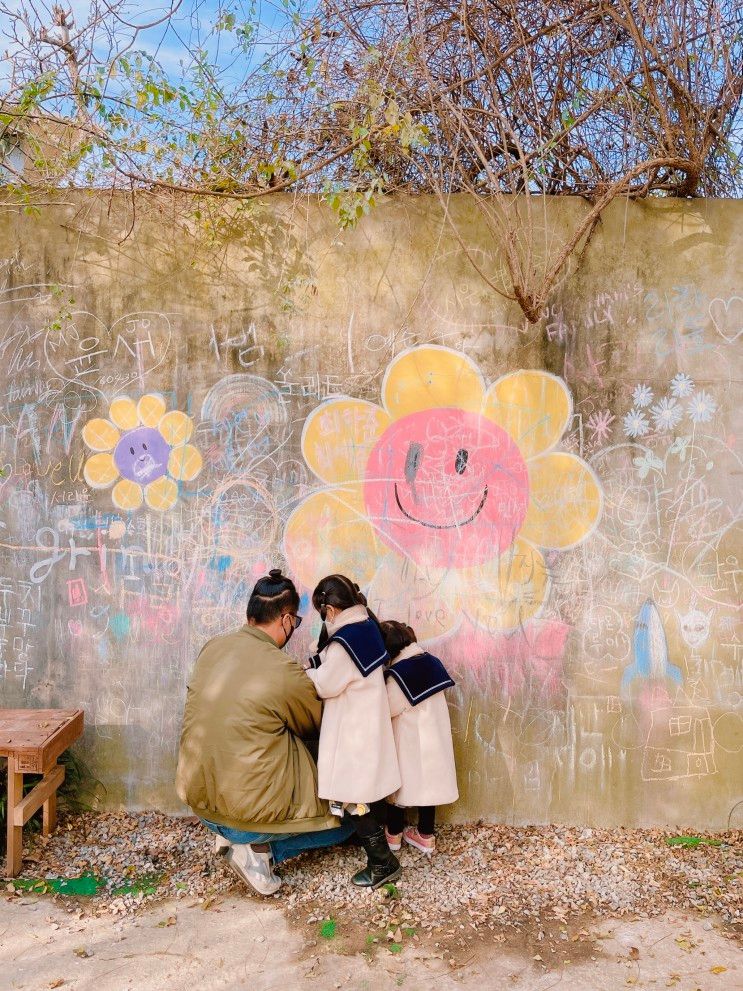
{"points": [[634, 953], [57, 983], [80, 951], [717, 970]]}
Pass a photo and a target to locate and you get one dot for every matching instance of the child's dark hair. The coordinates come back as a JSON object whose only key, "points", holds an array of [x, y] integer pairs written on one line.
{"points": [[272, 596], [397, 636], [341, 593]]}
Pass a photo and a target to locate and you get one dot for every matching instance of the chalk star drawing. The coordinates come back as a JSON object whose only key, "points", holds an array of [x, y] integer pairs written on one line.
{"points": [[143, 449], [441, 498]]}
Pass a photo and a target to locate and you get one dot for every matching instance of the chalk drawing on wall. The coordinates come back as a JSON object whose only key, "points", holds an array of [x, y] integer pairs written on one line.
{"points": [[651, 664], [141, 450], [680, 744], [694, 625], [446, 494]]}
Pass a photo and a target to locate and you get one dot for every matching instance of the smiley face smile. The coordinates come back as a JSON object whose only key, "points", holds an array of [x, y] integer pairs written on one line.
{"points": [[441, 526]]}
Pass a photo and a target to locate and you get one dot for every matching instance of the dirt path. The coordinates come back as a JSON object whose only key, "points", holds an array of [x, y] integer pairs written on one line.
{"points": [[244, 944]]}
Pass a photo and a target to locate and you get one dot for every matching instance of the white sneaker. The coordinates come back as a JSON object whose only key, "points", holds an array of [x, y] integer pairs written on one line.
{"points": [[221, 845], [254, 868]]}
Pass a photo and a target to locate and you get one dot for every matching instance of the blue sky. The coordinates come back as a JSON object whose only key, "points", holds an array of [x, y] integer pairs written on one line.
{"points": [[190, 27]]}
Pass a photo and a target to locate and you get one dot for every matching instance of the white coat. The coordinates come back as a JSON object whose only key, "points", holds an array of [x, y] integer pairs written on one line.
{"points": [[425, 751], [356, 761]]}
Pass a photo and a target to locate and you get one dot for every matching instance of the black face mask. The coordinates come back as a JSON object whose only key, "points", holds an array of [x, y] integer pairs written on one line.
{"points": [[290, 634]]}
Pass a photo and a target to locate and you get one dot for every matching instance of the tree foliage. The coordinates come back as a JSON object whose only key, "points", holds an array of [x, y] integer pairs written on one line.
{"points": [[504, 102]]}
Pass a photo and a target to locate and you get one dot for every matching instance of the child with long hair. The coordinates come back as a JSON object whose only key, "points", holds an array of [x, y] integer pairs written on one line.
{"points": [[416, 681], [357, 761]]}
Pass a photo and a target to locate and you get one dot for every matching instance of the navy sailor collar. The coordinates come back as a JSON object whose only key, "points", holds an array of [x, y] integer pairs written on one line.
{"points": [[420, 677], [362, 642]]}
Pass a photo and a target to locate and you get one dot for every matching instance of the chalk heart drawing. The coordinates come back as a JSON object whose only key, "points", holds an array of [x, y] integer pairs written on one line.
{"points": [[136, 344], [143, 451], [441, 500], [727, 316]]}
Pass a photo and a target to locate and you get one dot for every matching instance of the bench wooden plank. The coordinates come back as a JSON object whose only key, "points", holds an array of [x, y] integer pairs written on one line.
{"points": [[14, 849], [38, 795], [38, 741]]}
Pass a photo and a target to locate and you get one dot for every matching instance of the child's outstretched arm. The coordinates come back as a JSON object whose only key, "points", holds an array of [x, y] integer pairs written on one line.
{"points": [[335, 674]]}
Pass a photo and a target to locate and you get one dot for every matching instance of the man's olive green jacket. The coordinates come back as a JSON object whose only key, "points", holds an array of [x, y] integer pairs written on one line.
{"points": [[242, 761]]}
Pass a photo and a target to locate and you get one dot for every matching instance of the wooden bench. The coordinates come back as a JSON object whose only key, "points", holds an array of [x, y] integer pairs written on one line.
{"points": [[32, 740]]}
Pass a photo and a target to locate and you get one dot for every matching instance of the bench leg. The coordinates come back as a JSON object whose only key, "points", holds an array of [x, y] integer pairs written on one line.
{"points": [[15, 833], [49, 814]]}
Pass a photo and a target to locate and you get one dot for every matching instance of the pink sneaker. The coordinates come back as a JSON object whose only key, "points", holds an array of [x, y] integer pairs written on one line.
{"points": [[426, 844], [394, 840]]}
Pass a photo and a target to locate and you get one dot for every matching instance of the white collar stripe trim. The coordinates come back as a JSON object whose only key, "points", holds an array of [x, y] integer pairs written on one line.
{"points": [[420, 694], [349, 648]]}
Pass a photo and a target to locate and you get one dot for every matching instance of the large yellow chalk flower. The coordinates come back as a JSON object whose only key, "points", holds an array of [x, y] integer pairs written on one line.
{"points": [[439, 500], [143, 449]]}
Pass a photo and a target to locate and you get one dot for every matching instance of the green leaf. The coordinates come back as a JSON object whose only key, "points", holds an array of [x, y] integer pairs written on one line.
{"points": [[391, 890], [328, 929], [691, 841], [395, 947]]}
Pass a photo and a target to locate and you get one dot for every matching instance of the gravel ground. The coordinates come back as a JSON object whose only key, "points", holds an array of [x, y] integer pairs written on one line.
{"points": [[484, 876]]}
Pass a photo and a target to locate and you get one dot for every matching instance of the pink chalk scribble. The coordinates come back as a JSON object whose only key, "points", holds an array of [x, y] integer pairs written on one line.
{"points": [[507, 663]]}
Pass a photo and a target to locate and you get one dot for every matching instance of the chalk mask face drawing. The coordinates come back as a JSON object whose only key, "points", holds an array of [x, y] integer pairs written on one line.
{"points": [[695, 627], [441, 500], [142, 455]]}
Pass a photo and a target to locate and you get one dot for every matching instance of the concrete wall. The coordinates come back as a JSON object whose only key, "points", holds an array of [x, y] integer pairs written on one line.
{"points": [[555, 507]]}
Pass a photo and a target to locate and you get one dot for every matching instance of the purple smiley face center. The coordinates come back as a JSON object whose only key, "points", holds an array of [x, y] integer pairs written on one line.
{"points": [[142, 455]]}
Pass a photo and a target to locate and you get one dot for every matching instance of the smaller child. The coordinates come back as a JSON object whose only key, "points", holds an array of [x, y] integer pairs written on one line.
{"points": [[416, 681]]}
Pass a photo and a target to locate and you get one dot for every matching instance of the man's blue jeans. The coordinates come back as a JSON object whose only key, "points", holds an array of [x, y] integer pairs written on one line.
{"points": [[285, 845]]}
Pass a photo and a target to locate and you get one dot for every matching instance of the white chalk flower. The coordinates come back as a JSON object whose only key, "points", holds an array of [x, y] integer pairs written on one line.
{"points": [[701, 408], [642, 396], [681, 386], [635, 423], [666, 413]]}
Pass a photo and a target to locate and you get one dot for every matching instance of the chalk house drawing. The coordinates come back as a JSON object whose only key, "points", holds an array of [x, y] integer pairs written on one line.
{"points": [[143, 448], [443, 497]]}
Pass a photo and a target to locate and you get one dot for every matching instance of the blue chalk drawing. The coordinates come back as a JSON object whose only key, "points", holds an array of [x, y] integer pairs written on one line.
{"points": [[650, 650]]}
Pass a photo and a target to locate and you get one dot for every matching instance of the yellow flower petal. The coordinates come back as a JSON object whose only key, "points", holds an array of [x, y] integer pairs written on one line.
{"points": [[176, 427], [100, 435], [339, 436], [325, 535], [424, 597], [161, 494], [429, 377], [127, 495], [100, 471], [506, 591], [185, 462], [150, 409], [124, 414], [564, 501], [534, 408]]}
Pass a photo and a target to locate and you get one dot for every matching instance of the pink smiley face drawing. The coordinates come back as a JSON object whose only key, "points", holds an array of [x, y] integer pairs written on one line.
{"points": [[448, 487]]}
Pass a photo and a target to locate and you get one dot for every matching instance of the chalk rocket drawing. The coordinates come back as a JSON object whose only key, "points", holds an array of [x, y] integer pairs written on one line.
{"points": [[650, 650]]}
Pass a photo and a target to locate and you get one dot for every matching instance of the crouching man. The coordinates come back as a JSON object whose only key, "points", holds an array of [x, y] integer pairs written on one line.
{"points": [[243, 766]]}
